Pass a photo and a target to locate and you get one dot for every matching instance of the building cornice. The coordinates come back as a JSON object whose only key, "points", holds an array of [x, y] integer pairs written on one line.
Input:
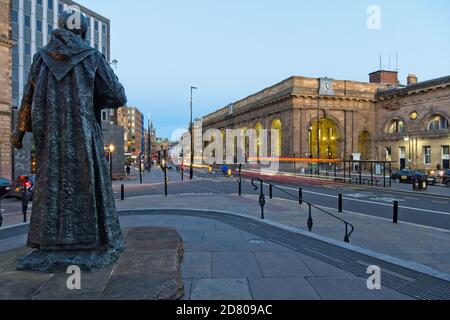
{"points": [[417, 88]]}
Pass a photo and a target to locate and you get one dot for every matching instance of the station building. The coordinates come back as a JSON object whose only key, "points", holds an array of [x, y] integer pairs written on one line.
{"points": [[378, 120]]}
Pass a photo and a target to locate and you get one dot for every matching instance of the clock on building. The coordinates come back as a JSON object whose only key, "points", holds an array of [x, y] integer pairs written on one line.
{"points": [[326, 86]]}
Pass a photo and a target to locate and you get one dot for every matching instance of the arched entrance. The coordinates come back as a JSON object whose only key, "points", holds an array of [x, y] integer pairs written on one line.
{"points": [[258, 128], [325, 139], [365, 145], [276, 125]]}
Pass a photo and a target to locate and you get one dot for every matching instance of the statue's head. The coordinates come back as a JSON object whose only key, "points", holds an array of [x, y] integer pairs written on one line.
{"points": [[74, 21]]}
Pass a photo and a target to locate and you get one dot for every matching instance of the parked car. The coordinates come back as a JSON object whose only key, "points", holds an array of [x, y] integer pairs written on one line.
{"points": [[19, 184], [5, 187], [446, 178], [408, 176]]}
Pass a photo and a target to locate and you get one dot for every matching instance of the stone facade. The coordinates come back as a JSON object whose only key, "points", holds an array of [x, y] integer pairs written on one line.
{"points": [[415, 108], [352, 116], [5, 89]]}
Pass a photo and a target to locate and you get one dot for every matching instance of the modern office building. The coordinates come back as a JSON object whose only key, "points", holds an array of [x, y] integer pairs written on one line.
{"points": [[132, 120], [32, 22]]}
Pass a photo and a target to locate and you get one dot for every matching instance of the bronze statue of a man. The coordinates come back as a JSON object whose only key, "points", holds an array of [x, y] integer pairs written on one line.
{"points": [[74, 219]]}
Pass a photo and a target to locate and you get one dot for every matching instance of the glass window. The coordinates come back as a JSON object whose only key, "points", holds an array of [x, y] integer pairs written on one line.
{"points": [[104, 28], [50, 29], [396, 126], [427, 155], [27, 49], [14, 16], [96, 23], [60, 8], [39, 2], [27, 21], [438, 123], [50, 4], [39, 25]]}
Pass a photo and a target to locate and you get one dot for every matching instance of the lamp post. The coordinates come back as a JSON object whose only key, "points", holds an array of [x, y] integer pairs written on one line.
{"points": [[192, 138], [318, 129], [111, 151]]}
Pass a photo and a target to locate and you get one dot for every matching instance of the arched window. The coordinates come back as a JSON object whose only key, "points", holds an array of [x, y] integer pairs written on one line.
{"points": [[437, 122], [396, 126], [276, 125]]}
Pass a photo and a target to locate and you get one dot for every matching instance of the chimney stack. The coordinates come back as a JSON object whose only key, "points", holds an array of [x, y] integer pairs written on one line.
{"points": [[384, 77], [412, 79]]}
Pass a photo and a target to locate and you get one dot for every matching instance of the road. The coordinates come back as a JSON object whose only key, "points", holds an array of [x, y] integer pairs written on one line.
{"points": [[414, 208]]}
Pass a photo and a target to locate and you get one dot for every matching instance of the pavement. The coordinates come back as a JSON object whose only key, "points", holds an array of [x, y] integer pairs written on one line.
{"points": [[222, 262], [420, 248]]}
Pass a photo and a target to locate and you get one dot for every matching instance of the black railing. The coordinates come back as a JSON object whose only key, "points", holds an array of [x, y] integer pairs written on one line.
{"points": [[349, 228]]}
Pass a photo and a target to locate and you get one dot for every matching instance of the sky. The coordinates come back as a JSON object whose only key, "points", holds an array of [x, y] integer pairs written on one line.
{"points": [[231, 49]]}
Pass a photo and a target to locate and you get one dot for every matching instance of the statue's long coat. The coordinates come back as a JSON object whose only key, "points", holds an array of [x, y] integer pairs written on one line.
{"points": [[73, 203]]}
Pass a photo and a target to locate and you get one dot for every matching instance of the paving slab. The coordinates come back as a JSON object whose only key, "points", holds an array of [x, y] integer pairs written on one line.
{"points": [[344, 288], [196, 265], [282, 264], [234, 264], [282, 289], [234, 289]]}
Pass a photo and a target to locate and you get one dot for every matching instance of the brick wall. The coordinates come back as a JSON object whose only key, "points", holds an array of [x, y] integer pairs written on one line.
{"points": [[5, 89]]}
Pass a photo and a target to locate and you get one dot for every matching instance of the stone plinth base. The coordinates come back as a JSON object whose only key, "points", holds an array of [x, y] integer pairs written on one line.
{"points": [[148, 269]]}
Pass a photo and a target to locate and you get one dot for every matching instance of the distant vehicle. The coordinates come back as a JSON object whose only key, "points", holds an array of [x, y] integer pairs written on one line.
{"points": [[5, 187], [446, 178], [169, 165], [17, 188], [408, 176]]}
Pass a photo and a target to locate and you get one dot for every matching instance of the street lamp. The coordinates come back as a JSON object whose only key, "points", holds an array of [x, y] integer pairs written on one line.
{"points": [[192, 138], [111, 151]]}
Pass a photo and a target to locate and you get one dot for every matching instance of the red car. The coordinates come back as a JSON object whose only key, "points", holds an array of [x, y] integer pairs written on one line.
{"points": [[21, 182]]}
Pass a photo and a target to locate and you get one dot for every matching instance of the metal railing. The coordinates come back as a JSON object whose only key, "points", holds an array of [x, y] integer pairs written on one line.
{"points": [[349, 228]]}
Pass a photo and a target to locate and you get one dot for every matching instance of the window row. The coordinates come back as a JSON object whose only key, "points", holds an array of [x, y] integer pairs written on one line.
{"points": [[436, 123]]}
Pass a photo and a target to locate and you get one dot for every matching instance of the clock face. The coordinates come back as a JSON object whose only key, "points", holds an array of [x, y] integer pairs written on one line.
{"points": [[326, 86]]}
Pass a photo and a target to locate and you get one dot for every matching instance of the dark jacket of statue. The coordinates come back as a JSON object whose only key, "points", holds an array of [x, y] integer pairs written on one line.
{"points": [[73, 204]]}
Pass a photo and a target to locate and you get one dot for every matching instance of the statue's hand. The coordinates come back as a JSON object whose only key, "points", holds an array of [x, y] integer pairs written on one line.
{"points": [[17, 138]]}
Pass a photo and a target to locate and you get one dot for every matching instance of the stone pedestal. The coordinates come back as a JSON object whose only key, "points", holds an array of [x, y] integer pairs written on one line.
{"points": [[148, 269]]}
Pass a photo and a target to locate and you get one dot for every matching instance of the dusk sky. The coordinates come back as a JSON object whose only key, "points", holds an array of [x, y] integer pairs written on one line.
{"points": [[230, 49]]}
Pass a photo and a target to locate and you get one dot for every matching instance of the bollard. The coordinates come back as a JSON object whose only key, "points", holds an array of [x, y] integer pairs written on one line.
{"points": [[122, 192], [395, 219], [340, 202], [240, 180], [262, 199], [310, 222], [182, 172], [165, 180], [1, 218], [24, 204], [300, 196], [270, 192]]}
